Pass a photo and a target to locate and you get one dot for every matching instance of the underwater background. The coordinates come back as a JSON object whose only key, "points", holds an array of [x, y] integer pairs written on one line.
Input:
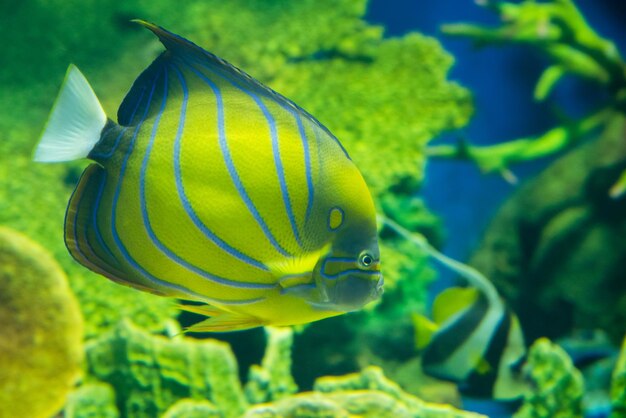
{"points": [[509, 158]]}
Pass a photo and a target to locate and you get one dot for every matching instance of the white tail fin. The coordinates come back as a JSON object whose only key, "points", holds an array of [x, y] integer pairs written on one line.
{"points": [[75, 123]]}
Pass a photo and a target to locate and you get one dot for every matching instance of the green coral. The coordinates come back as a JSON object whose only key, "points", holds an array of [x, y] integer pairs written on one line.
{"points": [[558, 386], [365, 395], [150, 373], [272, 380], [41, 346], [92, 400], [189, 408], [618, 385]]}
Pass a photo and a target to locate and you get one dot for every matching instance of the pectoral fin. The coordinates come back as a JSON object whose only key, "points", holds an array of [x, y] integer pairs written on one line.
{"points": [[226, 322]]}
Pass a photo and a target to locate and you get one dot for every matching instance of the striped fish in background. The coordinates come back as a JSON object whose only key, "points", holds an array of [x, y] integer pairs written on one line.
{"points": [[214, 188], [475, 341]]}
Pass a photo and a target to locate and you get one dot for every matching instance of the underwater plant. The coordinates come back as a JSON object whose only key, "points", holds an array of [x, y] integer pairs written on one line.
{"points": [[41, 340], [560, 32]]}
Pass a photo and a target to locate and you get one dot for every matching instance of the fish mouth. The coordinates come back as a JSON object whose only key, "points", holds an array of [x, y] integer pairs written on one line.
{"points": [[354, 291]]}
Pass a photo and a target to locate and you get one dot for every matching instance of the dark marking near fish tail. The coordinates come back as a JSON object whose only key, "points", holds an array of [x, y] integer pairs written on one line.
{"points": [[448, 340], [232, 170]]}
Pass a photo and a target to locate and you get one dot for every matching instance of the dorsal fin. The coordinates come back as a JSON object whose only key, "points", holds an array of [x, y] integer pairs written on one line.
{"points": [[181, 49], [184, 52], [451, 301], [142, 100]]}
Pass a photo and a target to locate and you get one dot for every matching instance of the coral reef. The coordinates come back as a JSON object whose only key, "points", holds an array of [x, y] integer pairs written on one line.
{"points": [[272, 380], [365, 395], [41, 346], [558, 386], [555, 248], [618, 385], [188, 408], [150, 373], [92, 400]]}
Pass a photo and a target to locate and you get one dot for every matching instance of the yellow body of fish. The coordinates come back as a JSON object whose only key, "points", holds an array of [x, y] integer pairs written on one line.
{"points": [[213, 188]]}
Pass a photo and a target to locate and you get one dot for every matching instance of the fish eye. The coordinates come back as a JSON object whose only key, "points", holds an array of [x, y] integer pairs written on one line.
{"points": [[365, 260]]}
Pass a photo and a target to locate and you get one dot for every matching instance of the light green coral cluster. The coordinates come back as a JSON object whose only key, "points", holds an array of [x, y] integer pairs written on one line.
{"points": [[41, 347], [92, 400], [272, 380], [364, 395], [558, 386], [150, 373]]}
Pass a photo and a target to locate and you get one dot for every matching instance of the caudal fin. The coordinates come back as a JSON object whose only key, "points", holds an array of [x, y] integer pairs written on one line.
{"points": [[75, 123]]}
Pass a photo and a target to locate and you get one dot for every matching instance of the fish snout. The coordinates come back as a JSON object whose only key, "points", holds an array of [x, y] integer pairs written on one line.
{"points": [[356, 290]]}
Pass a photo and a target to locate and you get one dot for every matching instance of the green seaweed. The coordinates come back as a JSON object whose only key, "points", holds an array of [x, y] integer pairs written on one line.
{"points": [[558, 30], [41, 347], [558, 386], [150, 373]]}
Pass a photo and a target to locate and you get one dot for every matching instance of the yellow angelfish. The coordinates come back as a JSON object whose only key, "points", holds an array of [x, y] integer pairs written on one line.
{"points": [[212, 187]]}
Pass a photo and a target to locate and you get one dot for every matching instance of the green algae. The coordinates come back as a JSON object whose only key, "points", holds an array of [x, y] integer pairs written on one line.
{"points": [[41, 346]]}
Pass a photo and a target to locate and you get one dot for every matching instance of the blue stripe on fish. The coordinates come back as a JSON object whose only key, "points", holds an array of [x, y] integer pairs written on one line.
{"points": [[94, 221], [279, 166], [232, 171], [199, 224], [307, 165], [120, 245], [142, 193], [275, 146], [86, 241]]}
